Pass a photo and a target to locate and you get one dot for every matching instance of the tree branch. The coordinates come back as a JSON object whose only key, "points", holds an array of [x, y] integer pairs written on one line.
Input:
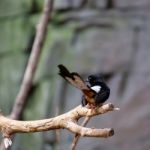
{"points": [[67, 121], [33, 61], [77, 136]]}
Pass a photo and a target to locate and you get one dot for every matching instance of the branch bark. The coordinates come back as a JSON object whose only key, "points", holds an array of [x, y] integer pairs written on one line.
{"points": [[67, 121], [33, 61], [77, 136]]}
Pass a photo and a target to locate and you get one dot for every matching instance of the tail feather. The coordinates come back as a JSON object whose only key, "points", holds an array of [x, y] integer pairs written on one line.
{"points": [[64, 72], [76, 80]]}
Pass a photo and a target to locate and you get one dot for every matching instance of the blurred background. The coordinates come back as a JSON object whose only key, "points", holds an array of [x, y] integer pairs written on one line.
{"points": [[111, 37]]}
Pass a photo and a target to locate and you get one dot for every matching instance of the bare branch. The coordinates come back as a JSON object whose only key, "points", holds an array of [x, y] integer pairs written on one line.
{"points": [[67, 121], [33, 61], [86, 120], [77, 136], [89, 132]]}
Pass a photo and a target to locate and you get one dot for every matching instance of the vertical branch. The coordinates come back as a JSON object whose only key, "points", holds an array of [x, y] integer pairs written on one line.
{"points": [[32, 63], [58, 134], [77, 136]]}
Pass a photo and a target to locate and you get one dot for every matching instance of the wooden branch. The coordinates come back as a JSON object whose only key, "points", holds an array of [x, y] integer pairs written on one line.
{"points": [[89, 132], [33, 61], [67, 121], [77, 136]]}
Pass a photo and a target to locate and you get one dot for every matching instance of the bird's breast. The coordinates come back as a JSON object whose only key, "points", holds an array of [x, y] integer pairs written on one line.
{"points": [[96, 88]]}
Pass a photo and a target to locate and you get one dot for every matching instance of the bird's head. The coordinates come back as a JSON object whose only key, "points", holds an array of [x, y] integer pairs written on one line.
{"points": [[95, 79]]}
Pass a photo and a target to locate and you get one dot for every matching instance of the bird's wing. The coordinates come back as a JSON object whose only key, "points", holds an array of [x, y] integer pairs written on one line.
{"points": [[76, 80]]}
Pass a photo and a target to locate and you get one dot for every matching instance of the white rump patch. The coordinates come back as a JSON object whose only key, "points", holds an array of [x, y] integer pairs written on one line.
{"points": [[96, 88]]}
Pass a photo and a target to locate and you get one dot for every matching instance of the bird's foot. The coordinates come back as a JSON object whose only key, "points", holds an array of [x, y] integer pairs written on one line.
{"points": [[91, 106]]}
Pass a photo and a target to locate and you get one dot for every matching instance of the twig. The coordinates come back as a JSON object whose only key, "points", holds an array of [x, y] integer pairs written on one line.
{"points": [[67, 121], [77, 136]]}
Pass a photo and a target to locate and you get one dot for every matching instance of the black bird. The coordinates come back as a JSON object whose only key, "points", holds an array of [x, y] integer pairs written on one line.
{"points": [[97, 84], [95, 91]]}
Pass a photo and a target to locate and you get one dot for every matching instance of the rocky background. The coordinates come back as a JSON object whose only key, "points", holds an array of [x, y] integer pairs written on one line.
{"points": [[88, 36]]}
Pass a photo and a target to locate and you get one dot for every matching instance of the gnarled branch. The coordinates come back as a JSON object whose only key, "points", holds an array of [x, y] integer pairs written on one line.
{"points": [[67, 121]]}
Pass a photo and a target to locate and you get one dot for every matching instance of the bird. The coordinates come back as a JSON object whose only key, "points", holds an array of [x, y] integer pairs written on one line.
{"points": [[96, 83], [95, 90]]}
